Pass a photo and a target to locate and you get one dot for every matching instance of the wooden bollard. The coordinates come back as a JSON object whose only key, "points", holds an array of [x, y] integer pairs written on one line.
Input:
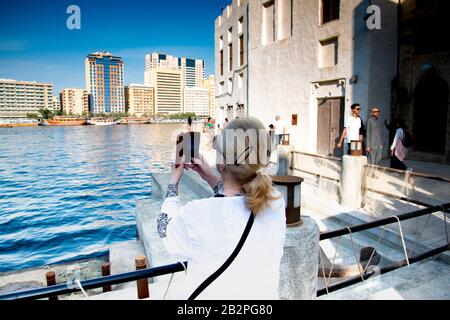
{"points": [[142, 284], [106, 271], [51, 281]]}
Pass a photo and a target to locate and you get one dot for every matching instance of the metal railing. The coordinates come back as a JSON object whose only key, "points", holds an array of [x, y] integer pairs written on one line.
{"points": [[394, 266], [65, 288]]}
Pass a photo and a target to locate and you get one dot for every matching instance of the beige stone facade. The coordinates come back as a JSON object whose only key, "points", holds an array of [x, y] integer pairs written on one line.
{"points": [[308, 65], [17, 98], [140, 100], [74, 101]]}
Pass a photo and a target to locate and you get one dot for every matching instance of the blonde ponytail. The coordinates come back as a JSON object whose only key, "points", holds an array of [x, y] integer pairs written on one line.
{"points": [[258, 193]]}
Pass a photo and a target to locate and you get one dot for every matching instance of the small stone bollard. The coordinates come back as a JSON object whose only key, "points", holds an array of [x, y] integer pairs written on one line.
{"points": [[51, 281], [106, 271], [142, 284]]}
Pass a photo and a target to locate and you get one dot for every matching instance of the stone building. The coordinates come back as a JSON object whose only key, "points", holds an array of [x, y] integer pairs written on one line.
{"points": [[308, 61], [421, 91], [231, 69]]}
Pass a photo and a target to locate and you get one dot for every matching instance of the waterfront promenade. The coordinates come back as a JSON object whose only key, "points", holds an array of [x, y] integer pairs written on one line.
{"points": [[327, 213]]}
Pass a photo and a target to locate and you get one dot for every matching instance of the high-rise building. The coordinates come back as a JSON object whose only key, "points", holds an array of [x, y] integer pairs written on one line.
{"points": [[56, 104], [104, 82], [168, 90], [192, 70], [209, 84], [75, 101], [17, 98], [140, 100], [196, 100]]}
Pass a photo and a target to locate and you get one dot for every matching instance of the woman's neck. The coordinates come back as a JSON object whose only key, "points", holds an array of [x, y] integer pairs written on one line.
{"points": [[230, 186]]}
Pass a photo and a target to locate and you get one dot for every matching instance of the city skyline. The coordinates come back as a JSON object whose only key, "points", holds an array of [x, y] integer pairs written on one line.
{"points": [[36, 45]]}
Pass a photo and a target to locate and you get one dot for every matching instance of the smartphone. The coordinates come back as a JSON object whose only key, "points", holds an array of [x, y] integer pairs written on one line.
{"points": [[188, 144]]}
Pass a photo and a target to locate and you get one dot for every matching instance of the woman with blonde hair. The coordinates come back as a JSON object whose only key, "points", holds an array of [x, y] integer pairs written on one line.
{"points": [[234, 240]]}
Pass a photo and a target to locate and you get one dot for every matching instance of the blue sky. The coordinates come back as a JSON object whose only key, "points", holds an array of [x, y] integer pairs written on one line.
{"points": [[36, 45]]}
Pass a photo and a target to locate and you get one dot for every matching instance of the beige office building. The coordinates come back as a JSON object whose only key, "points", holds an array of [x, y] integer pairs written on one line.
{"points": [[168, 90], [192, 70], [17, 98], [196, 100], [209, 84], [139, 100], [75, 101], [56, 104]]}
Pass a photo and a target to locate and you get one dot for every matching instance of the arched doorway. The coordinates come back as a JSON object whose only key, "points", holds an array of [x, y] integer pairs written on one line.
{"points": [[430, 114]]}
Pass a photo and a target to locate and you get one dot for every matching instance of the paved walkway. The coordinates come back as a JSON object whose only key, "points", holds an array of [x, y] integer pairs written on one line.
{"points": [[434, 169]]}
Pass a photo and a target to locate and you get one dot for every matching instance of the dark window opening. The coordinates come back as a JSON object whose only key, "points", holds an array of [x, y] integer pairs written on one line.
{"points": [[330, 10]]}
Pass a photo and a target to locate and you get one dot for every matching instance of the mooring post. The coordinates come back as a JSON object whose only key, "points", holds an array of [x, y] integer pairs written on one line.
{"points": [[142, 284], [106, 271], [51, 281]]}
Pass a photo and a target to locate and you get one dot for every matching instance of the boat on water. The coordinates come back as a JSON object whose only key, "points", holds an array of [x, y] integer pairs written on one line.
{"points": [[9, 123], [99, 121], [65, 121], [132, 120]]}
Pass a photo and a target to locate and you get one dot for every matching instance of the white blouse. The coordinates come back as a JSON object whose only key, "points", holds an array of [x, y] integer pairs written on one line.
{"points": [[207, 231]]}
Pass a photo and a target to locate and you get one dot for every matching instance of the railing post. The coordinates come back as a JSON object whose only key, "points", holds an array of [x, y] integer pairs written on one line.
{"points": [[106, 271], [142, 284], [51, 281]]}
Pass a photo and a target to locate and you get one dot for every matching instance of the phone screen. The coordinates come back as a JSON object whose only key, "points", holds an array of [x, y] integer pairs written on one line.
{"points": [[188, 144]]}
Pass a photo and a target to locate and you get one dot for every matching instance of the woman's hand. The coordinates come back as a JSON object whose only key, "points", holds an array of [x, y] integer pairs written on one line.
{"points": [[177, 172], [203, 169]]}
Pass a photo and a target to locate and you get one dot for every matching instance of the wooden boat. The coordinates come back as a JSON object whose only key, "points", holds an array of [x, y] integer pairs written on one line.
{"points": [[65, 121], [130, 120], [9, 123], [99, 121]]}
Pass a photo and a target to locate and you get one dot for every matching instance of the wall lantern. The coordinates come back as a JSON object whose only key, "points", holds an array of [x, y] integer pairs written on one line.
{"points": [[356, 147]]}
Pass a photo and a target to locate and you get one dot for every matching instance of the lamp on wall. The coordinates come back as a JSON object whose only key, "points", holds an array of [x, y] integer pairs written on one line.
{"points": [[290, 188], [353, 79]]}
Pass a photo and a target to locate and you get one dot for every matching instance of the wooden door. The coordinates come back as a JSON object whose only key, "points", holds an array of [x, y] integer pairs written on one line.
{"points": [[329, 126]]}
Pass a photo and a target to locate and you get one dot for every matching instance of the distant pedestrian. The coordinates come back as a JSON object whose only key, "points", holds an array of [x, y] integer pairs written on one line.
{"points": [[398, 150], [373, 137], [225, 124], [352, 128], [189, 121]]}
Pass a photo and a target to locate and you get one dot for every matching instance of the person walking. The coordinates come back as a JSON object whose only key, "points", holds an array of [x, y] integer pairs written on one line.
{"points": [[206, 231], [374, 145], [352, 127], [398, 150]]}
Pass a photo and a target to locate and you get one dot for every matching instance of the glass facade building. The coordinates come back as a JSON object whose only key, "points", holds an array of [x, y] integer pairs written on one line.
{"points": [[104, 82]]}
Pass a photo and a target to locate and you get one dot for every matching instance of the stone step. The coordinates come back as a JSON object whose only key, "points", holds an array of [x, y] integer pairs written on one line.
{"points": [[121, 257], [428, 279]]}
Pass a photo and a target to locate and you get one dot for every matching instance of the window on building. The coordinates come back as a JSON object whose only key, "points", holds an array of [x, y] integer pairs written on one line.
{"points": [[230, 33], [241, 25], [241, 80], [221, 42], [221, 62], [230, 57], [222, 87], [328, 53], [268, 22], [241, 50], [284, 12], [329, 10]]}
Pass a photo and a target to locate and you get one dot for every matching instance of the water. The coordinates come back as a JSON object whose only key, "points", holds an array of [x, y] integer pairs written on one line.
{"points": [[66, 193]]}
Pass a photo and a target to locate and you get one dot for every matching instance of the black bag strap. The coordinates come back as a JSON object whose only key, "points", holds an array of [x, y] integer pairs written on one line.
{"points": [[227, 263]]}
